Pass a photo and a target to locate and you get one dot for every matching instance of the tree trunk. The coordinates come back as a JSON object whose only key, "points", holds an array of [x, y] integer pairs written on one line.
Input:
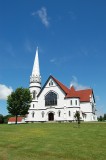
{"points": [[16, 119]]}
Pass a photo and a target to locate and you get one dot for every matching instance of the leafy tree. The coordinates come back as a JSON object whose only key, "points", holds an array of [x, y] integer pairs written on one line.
{"points": [[77, 116], [1, 118], [18, 102]]}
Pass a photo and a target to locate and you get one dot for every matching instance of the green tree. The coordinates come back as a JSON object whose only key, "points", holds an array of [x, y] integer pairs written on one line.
{"points": [[6, 118], [100, 118], [77, 117], [18, 102], [1, 118]]}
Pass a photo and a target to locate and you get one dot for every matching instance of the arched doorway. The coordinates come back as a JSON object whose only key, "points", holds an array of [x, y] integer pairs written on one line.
{"points": [[51, 116]]}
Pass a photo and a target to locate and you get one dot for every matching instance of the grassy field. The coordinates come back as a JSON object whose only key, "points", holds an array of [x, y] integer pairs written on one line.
{"points": [[53, 141]]}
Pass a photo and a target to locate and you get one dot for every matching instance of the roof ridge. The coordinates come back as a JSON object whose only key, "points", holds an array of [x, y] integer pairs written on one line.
{"points": [[61, 85], [84, 89], [84, 95]]}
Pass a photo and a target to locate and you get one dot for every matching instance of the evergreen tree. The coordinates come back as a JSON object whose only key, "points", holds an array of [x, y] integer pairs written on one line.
{"points": [[19, 101], [100, 118], [77, 116]]}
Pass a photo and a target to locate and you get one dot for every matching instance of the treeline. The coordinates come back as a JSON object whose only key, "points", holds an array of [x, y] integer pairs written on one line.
{"points": [[102, 118], [4, 119]]}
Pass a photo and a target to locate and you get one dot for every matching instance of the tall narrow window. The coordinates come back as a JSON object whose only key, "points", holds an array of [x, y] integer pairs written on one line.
{"points": [[34, 94], [51, 99], [33, 114], [71, 102], [76, 102], [69, 113], [59, 113], [33, 105]]}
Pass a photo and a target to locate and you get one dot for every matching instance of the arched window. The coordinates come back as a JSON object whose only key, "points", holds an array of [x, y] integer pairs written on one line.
{"points": [[51, 83], [33, 114], [51, 99], [34, 94]]}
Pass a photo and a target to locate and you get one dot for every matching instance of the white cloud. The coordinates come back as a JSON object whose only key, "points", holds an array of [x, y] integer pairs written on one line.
{"points": [[97, 98], [4, 91], [77, 86], [52, 60], [42, 14], [28, 46], [61, 60]]}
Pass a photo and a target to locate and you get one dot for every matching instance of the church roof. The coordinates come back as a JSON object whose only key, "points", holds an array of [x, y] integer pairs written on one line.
{"points": [[62, 86], [83, 95]]}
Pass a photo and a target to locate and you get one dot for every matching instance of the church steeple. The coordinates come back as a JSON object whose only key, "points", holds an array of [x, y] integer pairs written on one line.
{"points": [[36, 70], [35, 78]]}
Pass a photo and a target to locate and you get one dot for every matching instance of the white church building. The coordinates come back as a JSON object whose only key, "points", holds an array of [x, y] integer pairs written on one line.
{"points": [[56, 102]]}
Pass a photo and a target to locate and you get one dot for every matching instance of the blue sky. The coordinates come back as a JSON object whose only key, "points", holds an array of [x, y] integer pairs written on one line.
{"points": [[70, 35]]}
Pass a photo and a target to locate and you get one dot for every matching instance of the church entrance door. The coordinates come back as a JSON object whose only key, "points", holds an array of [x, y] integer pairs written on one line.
{"points": [[51, 117]]}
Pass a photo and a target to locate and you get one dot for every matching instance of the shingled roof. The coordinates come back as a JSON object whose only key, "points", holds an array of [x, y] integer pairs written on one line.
{"points": [[83, 95], [62, 86], [13, 119]]}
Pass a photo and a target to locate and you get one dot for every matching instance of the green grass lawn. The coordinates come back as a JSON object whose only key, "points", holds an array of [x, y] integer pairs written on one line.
{"points": [[53, 141]]}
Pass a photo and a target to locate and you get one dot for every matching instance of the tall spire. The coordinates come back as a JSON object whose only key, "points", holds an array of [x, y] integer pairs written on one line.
{"points": [[36, 69], [35, 77]]}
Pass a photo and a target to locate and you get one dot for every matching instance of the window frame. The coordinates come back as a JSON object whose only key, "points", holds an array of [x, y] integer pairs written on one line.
{"points": [[76, 102], [59, 113], [71, 102], [51, 99], [33, 114], [69, 113], [34, 94]]}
